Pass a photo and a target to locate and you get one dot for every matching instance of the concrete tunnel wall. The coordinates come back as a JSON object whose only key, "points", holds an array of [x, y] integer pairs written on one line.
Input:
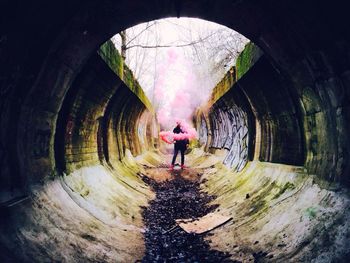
{"points": [[299, 89], [99, 104], [309, 55], [226, 121], [251, 119], [104, 120]]}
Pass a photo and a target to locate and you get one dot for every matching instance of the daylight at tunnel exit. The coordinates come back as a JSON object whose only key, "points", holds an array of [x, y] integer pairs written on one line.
{"points": [[174, 131]]}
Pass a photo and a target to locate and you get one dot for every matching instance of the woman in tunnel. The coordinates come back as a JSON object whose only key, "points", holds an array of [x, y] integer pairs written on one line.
{"points": [[297, 94], [180, 144]]}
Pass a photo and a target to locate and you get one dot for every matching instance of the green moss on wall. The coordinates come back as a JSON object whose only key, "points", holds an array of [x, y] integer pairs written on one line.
{"points": [[283, 189], [311, 212], [246, 59], [111, 56]]}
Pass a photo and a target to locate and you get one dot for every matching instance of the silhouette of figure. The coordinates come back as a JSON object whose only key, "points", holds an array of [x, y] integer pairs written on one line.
{"points": [[179, 145]]}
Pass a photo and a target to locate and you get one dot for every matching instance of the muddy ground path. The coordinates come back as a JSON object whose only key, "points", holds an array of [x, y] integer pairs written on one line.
{"points": [[178, 196]]}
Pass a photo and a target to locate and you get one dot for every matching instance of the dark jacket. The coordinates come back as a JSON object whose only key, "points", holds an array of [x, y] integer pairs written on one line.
{"points": [[180, 144]]}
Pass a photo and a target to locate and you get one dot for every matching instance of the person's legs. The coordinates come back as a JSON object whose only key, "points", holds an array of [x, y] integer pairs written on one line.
{"points": [[182, 157], [176, 151]]}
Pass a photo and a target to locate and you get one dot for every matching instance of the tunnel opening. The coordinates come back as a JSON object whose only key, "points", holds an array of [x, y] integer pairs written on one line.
{"points": [[289, 199], [108, 52]]}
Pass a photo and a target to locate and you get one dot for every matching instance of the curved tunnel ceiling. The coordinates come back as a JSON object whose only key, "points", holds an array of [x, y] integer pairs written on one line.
{"points": [[296, 98]]}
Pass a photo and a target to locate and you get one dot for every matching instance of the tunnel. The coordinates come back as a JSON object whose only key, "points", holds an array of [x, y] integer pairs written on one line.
{"points": [[79, 137]]}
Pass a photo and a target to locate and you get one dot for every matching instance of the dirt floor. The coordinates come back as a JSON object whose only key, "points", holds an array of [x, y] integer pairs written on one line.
{"points": [[178, 196], [128, 214], [279, 214]]}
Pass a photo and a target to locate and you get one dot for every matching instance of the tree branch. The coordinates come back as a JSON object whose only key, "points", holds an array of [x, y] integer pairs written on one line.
{"points": [[147, 27], [165, 46]]}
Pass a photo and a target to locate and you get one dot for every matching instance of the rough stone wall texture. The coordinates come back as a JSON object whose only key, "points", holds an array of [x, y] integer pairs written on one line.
{"points": [[230, 131], [99, 118], [324, 96], [223, 122], [245, 60], [121, 126], [274, 109], [269, 106], [114, 60], [78, 122], [228, 125], [202, 128]]}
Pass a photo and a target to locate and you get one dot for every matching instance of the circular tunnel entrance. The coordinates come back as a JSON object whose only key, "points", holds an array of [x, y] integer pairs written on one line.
{"points": [[297, 105]]}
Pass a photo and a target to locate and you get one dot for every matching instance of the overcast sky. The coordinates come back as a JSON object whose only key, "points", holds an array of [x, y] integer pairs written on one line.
{"points": [[179, 77]]}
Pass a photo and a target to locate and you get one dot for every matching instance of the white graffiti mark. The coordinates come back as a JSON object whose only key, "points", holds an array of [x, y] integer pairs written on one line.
{"points": [[229, 125]]}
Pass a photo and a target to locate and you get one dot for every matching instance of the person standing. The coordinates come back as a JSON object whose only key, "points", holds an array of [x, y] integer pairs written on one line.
{"points": [[179, 145]]}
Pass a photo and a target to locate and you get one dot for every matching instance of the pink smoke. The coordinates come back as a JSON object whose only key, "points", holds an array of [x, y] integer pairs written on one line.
{"points": [[172, 56], [177, 91], [188, 133], [162, 117]]}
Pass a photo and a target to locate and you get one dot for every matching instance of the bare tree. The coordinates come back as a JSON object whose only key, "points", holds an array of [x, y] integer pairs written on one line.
{"points": [[123, 44], [212, 48]]}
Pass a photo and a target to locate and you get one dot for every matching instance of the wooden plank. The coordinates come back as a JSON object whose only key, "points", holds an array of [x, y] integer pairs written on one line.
{"points": [[204, 224]]}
